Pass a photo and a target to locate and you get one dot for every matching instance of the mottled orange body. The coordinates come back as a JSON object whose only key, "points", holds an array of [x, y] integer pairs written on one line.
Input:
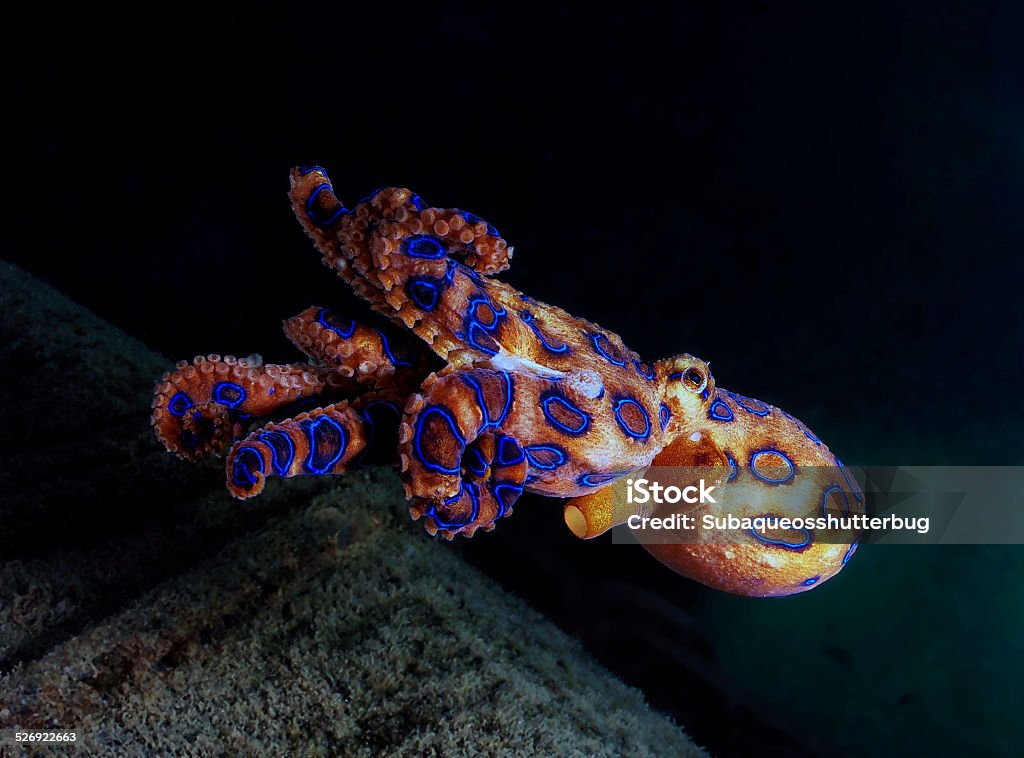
{"points": [[512, 395]]}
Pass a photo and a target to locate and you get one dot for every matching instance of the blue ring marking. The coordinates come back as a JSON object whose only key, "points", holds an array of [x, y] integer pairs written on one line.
{"points": [[534, 451], [597, 480], [472, 218], [499, 490], [617, 407], [720, 411], [810, 582], [518, 455], [179, 404], [484, 411], [310, 427], [424, 292], [850, 481], [597, 346], [508, 398], [769, 451], [584, 423], [529, 320], [676, 376], [742, 401], [485, 414], [824, 500], [303, 170], [281, 455], [442, 524], [850, 551], [231, 389], [782, 543], [481, 468], [473, 496], [446, 415], [312, 215], [387, 350], [321, 318], [664, 414], [704, 394], [417, 202], [241, 474], [496, 312], [424, 246], [734, 470], [649, 374], [476, 332]]}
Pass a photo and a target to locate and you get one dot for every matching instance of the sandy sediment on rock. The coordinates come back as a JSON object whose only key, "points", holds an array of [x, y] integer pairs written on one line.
{"points": [[143, 607]]}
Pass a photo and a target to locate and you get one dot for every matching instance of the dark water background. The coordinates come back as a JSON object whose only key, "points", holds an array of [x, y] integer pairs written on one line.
{"points": [[824, 203]]}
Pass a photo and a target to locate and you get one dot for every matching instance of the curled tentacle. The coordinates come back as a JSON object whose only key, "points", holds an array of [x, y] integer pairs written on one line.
{"points": [[372, 357], [391, 227], [460, 470], [418, 266], [201, 407], [330, 440], [493, 473]]}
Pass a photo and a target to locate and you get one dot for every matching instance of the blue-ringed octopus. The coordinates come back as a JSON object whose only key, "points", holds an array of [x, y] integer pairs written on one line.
{"points": [[477, 392]]}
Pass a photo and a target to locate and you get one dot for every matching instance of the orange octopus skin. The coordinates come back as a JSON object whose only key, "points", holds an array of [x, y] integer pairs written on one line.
{"points": [[512, 395], [729, 439]]}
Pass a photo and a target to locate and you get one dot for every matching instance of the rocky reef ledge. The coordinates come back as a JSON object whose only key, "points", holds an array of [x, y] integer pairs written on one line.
{"points": [[142, 607]]}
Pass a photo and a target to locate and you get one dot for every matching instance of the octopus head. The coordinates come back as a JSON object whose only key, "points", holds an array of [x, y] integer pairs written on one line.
{"points": [[762, 463]]}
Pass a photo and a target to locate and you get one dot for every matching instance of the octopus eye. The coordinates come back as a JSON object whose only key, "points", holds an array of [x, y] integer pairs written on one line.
{"points": [[695, 379]]}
